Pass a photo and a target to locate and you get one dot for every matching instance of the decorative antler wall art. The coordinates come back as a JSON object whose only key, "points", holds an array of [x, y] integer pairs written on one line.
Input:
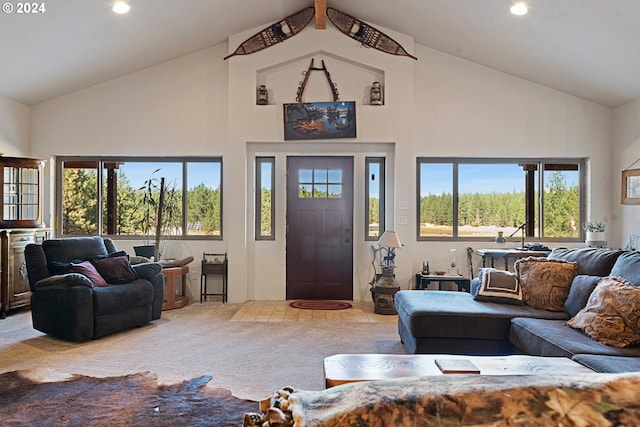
{"points": [[303, 83], [291, 25]]}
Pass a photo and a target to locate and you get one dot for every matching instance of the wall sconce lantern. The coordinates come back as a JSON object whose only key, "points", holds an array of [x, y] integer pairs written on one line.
{"points": [[262, 97], [376, 94]]}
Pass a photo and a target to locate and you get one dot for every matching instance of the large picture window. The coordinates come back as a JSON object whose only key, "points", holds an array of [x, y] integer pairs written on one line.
{"points": [[119, 196], [477, 198]]}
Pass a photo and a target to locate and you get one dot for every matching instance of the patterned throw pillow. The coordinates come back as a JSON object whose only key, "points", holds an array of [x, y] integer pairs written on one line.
{"points": [[612, 313], [498, 286], [545, 282], [88, 270]]}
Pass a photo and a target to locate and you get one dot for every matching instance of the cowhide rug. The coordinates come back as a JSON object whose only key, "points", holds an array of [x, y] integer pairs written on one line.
{"points": [[131, 400]]}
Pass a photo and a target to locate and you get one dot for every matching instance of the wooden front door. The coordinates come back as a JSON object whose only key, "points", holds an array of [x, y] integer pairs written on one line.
{"points": [[319, 228]]}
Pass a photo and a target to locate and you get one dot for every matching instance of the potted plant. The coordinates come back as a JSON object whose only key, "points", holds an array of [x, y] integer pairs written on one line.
{"points": [[160, 205], [595, 231]]}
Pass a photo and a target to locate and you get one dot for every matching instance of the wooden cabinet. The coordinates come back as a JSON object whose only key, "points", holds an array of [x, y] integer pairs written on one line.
{"points": [[21, 192], [20, 224], [14, 281]]}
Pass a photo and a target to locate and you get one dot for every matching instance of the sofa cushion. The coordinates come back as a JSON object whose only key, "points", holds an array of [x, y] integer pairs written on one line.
{"points": [[115, 269], [73, 248], [591, 261], [117, 298], [545, 282], [544, 337], [581, 288], [497, 286], [608, 364], [627, 266], [448, 314], [87, 269], [612, 314]]}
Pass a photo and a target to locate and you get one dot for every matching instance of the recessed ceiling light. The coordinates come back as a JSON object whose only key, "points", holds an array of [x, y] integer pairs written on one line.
{"points": [[519, 9], [120, 7]]}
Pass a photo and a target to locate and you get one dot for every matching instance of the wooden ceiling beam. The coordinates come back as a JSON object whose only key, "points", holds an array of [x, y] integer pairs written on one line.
{"points": [[321, 14]]}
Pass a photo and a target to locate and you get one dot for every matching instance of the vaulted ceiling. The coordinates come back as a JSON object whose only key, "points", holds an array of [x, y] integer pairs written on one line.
{"points": [[588, 48]]}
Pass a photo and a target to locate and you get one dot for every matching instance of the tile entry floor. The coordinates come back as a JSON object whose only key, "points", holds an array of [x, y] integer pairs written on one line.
{"points": [[280, 311]]}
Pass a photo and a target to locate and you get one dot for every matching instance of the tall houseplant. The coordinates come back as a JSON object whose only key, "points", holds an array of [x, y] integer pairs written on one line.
{"points": [[160, 205]]}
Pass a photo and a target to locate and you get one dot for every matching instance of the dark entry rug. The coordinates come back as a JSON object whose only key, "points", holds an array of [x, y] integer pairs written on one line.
{"points": [[131, 400], [320, 305]]}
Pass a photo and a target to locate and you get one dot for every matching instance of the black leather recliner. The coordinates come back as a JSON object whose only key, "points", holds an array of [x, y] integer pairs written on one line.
{"points": [[68, 305]]}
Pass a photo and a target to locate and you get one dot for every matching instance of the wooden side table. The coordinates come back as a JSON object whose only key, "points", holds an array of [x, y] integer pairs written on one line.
{"points": [[172, 300], [214, 264]]}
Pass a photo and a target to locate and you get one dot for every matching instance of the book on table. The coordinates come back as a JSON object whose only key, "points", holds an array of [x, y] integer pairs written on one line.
{"points": [[457, 366]]}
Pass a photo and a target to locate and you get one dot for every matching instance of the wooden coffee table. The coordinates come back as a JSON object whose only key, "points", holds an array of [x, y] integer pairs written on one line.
{"points": [[345, 368]]}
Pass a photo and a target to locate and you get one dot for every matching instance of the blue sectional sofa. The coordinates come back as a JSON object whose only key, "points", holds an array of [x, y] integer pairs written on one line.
{"points": [[457, 323]]}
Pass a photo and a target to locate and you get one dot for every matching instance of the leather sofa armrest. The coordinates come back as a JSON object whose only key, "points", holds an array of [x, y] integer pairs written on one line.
{"points": [[63, 281], [147, 270]]}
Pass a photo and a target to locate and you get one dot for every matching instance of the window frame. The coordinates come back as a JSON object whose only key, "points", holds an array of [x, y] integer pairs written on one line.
{"points": [[539, 200], [381, 162], [102, 215], [261, 160]]}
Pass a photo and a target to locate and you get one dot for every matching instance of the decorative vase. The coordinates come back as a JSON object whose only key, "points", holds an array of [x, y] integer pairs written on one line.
{"points": [[595, 236]]}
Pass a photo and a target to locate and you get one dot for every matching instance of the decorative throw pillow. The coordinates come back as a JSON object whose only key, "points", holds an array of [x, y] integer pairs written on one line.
{"points": [[115, 269], [612, 313], [579, 294], [88, 270], [545, 282], [498, 286]]}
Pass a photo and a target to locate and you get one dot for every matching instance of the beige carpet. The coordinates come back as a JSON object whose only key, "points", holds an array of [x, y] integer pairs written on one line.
{"points": [[250, 358]]}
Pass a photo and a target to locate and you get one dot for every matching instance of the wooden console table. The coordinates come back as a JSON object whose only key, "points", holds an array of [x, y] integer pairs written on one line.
{"points": [[172, 300]]}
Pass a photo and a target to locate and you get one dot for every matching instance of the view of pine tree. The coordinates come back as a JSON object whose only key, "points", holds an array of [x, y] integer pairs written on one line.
{"points": [[79, 208], [203, 209], [561, 208], [374, 210], [265, 212], [127, 221], [561, 213]]}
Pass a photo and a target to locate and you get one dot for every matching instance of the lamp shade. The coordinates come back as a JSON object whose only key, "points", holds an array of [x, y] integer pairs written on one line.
{"points": [[389, 239]]}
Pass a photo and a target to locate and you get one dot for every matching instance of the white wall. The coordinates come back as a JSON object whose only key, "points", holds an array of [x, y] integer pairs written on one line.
{"points": [[626, 155], [14, 128], [437, 106], [465, 109]]}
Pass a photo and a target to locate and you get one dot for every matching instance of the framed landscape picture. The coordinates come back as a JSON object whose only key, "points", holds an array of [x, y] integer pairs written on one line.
{"points": [[631, 187], [320, 120]]}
